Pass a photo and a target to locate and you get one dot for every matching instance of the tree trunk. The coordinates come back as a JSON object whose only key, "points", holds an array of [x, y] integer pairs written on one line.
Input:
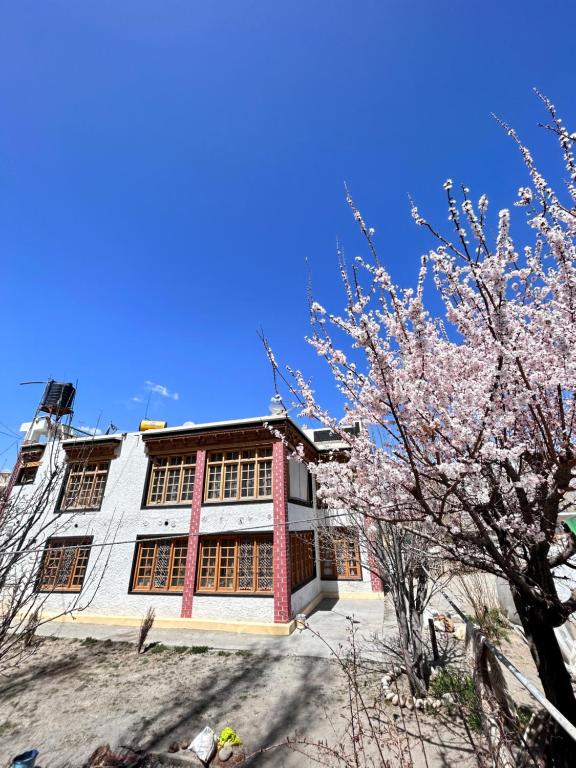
{"points": [[554, 676], [417, 685]]}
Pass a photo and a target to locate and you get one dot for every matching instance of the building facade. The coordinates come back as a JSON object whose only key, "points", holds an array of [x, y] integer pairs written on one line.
{"points": [[213, 525]]}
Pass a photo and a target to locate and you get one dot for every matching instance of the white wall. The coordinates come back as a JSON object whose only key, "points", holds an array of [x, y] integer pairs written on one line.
{"points": [[231, 517], [231, 608], [121, 519], [305, 594]]}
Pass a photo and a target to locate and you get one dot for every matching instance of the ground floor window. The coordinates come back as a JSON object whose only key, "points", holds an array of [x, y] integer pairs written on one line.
{"points": [[64, 564], [235, 565], [340, 554], [302, 557], [160, 564]]}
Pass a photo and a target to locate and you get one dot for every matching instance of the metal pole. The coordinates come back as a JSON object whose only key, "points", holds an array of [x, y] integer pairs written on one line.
{"points": [[432, 630], [569, 727]]}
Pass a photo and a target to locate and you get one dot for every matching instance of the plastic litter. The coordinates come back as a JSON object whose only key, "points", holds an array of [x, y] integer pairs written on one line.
{"points": [[229, 736], [204, 745], [25, 760]]}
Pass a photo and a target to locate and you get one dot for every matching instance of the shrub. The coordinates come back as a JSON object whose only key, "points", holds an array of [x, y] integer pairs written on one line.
{"points": [[461, 687]]}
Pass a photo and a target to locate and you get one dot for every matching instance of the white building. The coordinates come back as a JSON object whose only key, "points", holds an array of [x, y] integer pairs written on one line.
{"points": [[213, 525]]}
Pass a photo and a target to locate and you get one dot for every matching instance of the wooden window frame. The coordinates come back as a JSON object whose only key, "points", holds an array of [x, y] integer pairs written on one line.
{"points": [[24, 471], [330, 540], [217, 543], [155, 541], [155, 468], [79, 469], [82, 546], [239, 462], [302, 558]]}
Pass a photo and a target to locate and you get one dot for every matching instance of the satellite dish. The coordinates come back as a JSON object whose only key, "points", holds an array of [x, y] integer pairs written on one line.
{"points": [[276, 405]]}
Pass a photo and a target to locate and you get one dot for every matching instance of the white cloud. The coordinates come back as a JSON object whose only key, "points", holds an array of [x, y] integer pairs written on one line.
{"points": [[160, 389], [90, 430], [137, 399]]}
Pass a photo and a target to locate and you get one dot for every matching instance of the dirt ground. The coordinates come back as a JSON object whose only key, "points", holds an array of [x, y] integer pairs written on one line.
{"points": [[72, 696]]}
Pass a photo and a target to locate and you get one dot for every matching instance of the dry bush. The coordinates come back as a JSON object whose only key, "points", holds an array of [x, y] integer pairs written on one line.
{"points": [[145, 627]]}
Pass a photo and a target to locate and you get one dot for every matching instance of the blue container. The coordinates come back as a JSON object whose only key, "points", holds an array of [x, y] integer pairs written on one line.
{"points": [[25, 760]]}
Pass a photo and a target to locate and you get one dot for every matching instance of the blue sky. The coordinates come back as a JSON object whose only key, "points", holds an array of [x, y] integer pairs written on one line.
{"points": [[171, 173]]}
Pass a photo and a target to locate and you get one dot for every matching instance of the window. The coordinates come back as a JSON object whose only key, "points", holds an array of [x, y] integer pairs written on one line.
{"points": [[233, 564], [171, 479], [302, 557], [237, 475], [160, 565], [299, 480], [85, 485], [27, 475], [64, 565], [340, 554]]}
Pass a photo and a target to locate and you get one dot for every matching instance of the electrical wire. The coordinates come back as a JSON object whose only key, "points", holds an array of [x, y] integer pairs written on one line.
{"points": [[196, 534]]}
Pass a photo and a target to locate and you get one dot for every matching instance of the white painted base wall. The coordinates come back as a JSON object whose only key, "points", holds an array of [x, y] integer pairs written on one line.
{"points": [[303, 596], [233, 608]]}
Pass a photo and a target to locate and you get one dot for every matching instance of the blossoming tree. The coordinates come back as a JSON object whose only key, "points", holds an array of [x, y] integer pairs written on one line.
{"points": [[470, 413]]}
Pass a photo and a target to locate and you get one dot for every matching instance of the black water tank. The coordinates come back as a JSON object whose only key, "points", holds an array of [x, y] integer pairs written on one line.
{"points": [[58, 398]]}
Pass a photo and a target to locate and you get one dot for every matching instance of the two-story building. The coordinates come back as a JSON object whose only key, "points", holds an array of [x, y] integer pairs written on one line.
{"points": [[214, 525]]}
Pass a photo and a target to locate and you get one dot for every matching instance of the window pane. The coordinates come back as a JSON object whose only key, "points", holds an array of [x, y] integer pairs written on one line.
{"points": [[248, 475], [158, 480], [161, 568], [188, 484], [246, 566], [265, 478], [214, 480], [172, 482], [179, 565], [227, 564], [265, 580], [231, 481], [208, 566]]}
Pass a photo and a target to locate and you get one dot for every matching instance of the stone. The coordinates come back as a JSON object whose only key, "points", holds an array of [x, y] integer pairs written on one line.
{"points": [[460, 631], [389, 696], [448, 698], [225, 753], [395, 699], [409, 703]]}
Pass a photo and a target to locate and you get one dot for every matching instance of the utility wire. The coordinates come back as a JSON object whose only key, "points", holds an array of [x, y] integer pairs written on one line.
{"points": [[160, 537]]}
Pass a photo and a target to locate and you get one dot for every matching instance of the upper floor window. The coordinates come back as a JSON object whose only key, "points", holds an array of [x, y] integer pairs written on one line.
{"points": [[171, 479], [30, 457], [85, 485], [239, 474], [64, 564], [300, 481], [160, 565], [26, 475]]}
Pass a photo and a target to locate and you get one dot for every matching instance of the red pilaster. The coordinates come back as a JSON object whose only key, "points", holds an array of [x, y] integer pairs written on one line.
{"points": [[375, 580], [281, 558], [191, 557]]}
